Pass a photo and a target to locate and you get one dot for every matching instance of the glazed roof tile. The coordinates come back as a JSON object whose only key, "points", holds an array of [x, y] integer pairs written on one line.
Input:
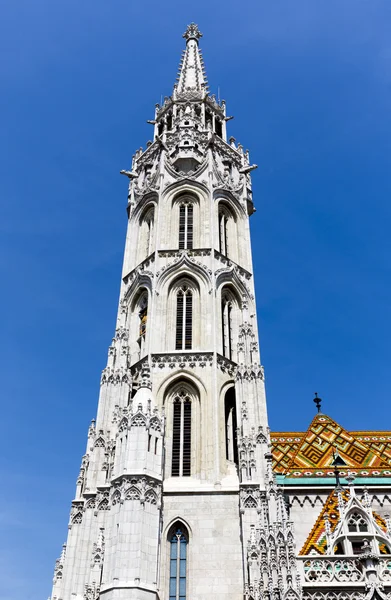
{"points": [[310, 453]]}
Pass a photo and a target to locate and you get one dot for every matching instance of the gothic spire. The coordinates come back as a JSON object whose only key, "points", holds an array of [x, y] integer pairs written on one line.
{"points": [[191, 76]]}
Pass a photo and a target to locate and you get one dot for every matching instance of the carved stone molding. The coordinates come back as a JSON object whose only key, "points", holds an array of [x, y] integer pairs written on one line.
{"points": [[115, 376], [224, 260], [249, 497], [226, 366], [178, 253], [182, 361], [136, 487], [184, 256], [142, 268], [250, 372]]}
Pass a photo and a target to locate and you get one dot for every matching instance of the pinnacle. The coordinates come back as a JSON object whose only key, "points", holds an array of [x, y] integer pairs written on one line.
{"points": [[191, 74]]}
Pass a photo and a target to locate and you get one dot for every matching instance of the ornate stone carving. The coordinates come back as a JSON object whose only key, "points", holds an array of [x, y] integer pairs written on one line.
{"points": [[182, 361], [226, 366], [250, 372], [140, 488], [115, 376]]}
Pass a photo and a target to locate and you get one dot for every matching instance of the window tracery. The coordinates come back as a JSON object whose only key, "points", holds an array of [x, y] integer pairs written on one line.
{"points": [[357, 523]]}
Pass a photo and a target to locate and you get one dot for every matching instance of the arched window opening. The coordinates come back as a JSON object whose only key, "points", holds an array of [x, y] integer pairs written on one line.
{"points": [[358, 546], [169, 121], [178, 539], [146, 229], [226, 225], [218, 128], [184, 319], [226, 325], [181, 435], [208, 119], [142, 316], [223, 233], [357, 523], [231, 442], [185, 226], [339, 549]]}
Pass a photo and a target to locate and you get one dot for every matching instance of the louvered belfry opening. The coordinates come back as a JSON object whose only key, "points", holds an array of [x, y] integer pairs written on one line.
{"points": [[184, 319], [185, 226], [181, 435]]}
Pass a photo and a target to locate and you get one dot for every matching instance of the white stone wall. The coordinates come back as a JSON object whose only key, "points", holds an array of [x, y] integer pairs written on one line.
{"points": [[214, 551]]}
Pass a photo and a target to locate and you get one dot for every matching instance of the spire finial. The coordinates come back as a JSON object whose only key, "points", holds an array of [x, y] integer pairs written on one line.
{"points": [[192, 33], [318, 402]]}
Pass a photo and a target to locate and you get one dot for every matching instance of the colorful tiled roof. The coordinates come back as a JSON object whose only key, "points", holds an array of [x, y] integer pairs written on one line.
{"points": [[316, 541], [310, 454]]}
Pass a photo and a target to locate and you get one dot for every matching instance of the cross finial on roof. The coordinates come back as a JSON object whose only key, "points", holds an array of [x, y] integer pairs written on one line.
{"points": [[318, 402], [192, 33]]}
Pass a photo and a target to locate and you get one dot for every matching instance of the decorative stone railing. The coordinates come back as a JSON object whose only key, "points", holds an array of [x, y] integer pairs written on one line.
{"points": [[337, 569], [346, 570], [384, 570]]}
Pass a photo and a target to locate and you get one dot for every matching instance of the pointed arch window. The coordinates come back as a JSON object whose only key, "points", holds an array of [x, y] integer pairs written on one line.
{"points": [[184, 318], [185, 225], [178, 562], [147, 233], [181, 435], [231, 442], [226, 325], [357, 523], [223, 232]]}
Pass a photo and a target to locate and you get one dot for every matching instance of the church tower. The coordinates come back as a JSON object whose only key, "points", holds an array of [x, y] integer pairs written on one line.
{"points": [[176, 483]]}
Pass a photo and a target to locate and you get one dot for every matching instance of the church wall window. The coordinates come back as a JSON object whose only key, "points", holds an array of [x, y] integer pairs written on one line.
{"points": [[357, 523], [138, 326], [146, 234], [227, 232], [218, 128], [230, 315], [184, 318], [185, 226], [231, 443], [178, 541], [181, 434]]}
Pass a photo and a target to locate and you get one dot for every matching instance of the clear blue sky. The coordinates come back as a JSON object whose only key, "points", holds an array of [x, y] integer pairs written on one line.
{"points": [[309, 83]]}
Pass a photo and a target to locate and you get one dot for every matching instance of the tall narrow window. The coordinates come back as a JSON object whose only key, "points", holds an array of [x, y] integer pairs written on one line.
{"points": [[231, 443], [184, 319], [223, 231], [178, 558], [185, 226], [142, 324], [181, 435], [226, 315], [147, 237]]}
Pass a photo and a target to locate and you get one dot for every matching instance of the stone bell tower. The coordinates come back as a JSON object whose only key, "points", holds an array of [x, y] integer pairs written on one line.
{"points": [[174, 477]]}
